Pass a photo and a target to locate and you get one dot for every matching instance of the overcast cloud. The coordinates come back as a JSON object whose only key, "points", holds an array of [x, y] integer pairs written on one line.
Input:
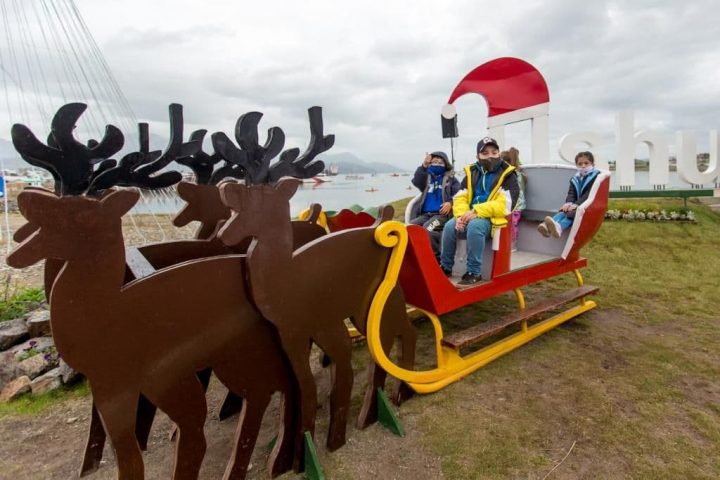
{"points": [[383, 69]]}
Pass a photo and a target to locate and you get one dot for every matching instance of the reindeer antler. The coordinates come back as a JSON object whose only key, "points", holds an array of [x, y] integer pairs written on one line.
{"points": [[201, 163], [69, 161], [135, 169], [251, 157], [306, 166]]}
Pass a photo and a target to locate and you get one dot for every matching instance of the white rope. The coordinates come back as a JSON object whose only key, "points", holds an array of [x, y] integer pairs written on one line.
{"points": [[50, 51]]}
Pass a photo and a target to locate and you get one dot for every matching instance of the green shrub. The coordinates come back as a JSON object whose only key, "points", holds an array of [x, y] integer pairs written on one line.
{"points": [[20, 303]]}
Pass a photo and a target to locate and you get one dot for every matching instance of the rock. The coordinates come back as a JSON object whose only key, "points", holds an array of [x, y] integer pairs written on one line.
{"points": [[7, 368], [12, 332], [33, 366], [38, 323], [68, 374], [38, 343], [50, 381], [71, 420], [15, 388]]}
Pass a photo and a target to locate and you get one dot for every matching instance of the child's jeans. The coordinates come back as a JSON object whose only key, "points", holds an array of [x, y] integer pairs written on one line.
{"points": [[563, 220]]}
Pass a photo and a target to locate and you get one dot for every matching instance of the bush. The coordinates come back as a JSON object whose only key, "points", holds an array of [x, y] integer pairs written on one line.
{"points": [[20, 303]]}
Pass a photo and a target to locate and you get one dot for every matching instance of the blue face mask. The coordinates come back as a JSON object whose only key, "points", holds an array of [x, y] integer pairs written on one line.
{"points": [[436, 169]]}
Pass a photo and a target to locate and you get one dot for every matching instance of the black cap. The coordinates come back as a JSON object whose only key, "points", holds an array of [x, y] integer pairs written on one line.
{"points": [[485, 142], [444, 156]]}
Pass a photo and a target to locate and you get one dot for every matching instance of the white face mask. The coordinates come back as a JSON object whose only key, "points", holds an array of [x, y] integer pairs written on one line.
{"points": [[582, 171]]}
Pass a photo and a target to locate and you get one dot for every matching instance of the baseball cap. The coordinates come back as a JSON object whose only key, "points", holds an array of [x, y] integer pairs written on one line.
{"points": [[485, 142]]}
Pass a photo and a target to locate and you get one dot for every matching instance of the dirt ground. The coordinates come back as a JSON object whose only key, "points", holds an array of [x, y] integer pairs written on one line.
{"points": [[50, 445]]}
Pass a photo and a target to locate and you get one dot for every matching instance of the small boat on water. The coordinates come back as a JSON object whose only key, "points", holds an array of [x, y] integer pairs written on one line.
{"points": [[354, 177], [316, 180], [394, 174], [372, 189]]}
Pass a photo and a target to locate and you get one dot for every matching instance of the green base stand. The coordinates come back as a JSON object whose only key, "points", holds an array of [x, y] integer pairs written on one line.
{"points": [[313, 470], [386, 415]]}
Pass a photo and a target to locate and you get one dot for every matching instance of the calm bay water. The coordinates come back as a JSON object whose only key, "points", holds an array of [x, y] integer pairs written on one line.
{"points": [[340, 192]]}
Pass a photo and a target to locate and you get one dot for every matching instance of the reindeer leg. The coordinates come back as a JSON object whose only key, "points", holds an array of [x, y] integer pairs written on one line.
{"points": [[335, 341], [408, 342], [145, 416], [395, 323], [204, 379], [118, 411], [245, 436], [298, 353], [376, 379], [95, 444], [184, 403], [281, 457], [230, 406]]}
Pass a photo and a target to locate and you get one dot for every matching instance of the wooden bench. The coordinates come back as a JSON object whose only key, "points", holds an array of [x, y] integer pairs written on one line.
{"points": [[137, 263], [474, 334]]}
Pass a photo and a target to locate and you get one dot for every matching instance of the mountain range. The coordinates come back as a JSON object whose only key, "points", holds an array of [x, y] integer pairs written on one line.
{"points": [[347, 162]]}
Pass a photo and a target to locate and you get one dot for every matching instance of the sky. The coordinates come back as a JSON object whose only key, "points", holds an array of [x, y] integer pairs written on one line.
{"points": [[382, 70]]}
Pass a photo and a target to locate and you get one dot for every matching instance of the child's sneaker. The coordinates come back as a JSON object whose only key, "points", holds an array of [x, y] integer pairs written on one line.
{"points": [[470, 279], [542, 228], [553, 227]]}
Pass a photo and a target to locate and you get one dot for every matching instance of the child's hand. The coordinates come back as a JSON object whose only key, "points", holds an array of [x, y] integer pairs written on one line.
{"points": [[467, 216], [572, 207], [428, 159], [445, 209], [566, 207]]}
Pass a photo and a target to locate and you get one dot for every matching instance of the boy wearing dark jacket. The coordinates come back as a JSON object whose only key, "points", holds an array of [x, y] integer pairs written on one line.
{"points": [[488, 194], [437, 183]]}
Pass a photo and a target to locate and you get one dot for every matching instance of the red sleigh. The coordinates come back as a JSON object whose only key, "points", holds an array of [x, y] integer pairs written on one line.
{"points": [[534, 258]]}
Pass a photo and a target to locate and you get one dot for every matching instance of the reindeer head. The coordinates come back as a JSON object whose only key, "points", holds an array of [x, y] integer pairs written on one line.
{"points": [[258, 204], [203, 204], [70, 227], [257, 210]]}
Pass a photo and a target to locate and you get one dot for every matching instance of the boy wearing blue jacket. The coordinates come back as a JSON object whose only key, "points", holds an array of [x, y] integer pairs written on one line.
{"points": [[437, 183]]}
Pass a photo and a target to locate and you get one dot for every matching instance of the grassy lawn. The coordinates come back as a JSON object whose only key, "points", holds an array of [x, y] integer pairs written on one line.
{"points": [[634, 385]]}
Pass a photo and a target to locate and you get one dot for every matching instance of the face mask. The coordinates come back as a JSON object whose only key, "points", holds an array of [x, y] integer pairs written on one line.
{"points": [[436, 169], [585, 170], [489, 164]]}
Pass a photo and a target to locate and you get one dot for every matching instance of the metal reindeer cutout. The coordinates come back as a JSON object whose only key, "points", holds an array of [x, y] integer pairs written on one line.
{"points": [[345, 268], [82, 169], [144, 339]]}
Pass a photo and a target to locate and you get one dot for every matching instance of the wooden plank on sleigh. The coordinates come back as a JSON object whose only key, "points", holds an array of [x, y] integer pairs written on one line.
{"points": [[474, 334], [137, 263]]}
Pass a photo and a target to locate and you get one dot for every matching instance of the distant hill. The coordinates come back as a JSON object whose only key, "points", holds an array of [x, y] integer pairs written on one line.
{"points": [[350, 163]]}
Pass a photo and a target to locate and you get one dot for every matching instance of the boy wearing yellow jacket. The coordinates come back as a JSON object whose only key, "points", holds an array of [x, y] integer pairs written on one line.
{"points": [[487, 194]]}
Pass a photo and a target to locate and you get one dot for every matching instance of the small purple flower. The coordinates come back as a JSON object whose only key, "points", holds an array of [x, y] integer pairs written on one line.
{"points": [[47, 357], [33, 343]]}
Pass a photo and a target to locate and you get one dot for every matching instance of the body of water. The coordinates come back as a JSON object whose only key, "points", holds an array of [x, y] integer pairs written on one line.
{"points": [[367, 191]]}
